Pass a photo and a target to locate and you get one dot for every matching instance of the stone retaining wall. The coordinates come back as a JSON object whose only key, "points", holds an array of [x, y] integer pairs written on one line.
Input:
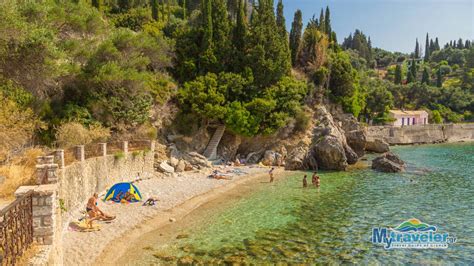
{"points": [[421, 134]]}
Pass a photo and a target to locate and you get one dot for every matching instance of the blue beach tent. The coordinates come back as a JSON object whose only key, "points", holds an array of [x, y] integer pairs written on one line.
{"points": [[117, 192]]}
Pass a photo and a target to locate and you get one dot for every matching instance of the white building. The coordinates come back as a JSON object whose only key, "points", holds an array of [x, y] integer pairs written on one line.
{"points": [[408, 118]]}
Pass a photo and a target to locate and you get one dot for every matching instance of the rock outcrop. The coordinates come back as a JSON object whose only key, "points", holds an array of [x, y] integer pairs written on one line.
{"points": [[330, 148], [389, 163], [197, 160], [377, 146], [166, 168], [272, 158]]}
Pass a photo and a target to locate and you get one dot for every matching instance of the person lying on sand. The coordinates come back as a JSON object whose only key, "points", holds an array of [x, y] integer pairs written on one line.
{"points": [[94, 212], [219, 176], [150, 201]]}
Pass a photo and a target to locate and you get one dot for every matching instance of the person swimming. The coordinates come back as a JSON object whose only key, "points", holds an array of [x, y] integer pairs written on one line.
{"points": [[315, 180], [305, 181]]}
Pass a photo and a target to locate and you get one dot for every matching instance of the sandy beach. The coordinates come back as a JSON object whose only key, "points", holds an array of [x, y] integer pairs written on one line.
{"points": [[178, 195]]}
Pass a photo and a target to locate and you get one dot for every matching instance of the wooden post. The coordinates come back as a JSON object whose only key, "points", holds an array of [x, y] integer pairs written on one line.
{"points": [[80, 156], [103, 148]]}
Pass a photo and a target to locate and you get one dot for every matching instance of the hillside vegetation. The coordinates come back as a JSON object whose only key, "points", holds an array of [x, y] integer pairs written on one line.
{"points": [[101, 69]]}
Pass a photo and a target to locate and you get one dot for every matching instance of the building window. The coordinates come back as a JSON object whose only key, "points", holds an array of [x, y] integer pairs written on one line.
{"points": [[414, 121], [403, 121], [408, 121]]}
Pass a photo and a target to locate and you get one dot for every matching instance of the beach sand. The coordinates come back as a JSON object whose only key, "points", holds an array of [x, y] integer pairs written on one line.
{"points": [[178, 195]]}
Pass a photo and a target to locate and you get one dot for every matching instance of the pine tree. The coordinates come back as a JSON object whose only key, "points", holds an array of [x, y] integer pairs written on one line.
{"points": [[398, 74], [322, 21], [327, 22], [417, 49], [154, 9], [425, 79], [439, 78], [295, 35], [427, 48]]}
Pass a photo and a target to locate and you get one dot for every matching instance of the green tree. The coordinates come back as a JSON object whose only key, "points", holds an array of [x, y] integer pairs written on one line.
{"points": [[437, 119], [239, 37], [124, 5], [398, 74], [417, 49], [295, 35], [322, 21], [221, 35], [413, 69], [427, 48], [280, 20], [96, 3], [425, 79], [154, 9], [327, 23], [268, 51], [439, 78], [410, 77]]}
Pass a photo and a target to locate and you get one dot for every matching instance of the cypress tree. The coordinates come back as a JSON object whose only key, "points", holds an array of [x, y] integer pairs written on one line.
{"points": [[221, 33], [427, 48], [460, 44], [467, 45], [123, 5], [436, 46], [322, 21], [426, 76], [206, 14], [268, 52], [185, 8], [410, 78], [417, 49], [432, 46], [413, 69], [239, 38], [280, 20], [154, 9], [327, 22], [295, 35], [439, 78], [398, 74]]}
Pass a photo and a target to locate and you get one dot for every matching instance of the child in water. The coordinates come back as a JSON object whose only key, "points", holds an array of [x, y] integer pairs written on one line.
{"points": [[315, 180], [305, 181]]}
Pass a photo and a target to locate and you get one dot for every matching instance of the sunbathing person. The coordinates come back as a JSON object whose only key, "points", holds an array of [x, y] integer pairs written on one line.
{"points": [[150, 201], [128, 197], [219, 176], [94, 212]]}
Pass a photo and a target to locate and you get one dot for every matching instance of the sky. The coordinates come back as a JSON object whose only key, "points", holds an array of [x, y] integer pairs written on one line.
{"points": [[393, 25]]}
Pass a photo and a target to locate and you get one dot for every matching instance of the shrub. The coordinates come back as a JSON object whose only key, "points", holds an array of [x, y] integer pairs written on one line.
{"points": [[73, 133], [119, 155], [302, 120]]}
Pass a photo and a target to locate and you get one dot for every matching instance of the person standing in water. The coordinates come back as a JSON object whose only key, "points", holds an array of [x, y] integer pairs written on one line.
{"points": [[271, 174], [315, 180], [305, 181]]}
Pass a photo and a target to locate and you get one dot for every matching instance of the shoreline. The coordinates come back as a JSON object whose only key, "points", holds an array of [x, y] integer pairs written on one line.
{"points": [[177, 213], [178, 196]]}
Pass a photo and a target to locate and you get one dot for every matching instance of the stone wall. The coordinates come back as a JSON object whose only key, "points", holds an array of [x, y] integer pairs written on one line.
{"points": [[62, 191], [80, 180], [421, 134]]}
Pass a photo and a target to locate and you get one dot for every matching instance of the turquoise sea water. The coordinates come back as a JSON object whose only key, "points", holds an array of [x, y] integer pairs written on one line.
{"points": [[282, 222]]}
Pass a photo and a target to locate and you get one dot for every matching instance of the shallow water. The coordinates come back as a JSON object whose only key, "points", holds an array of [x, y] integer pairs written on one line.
{"points": [[283, 222]]}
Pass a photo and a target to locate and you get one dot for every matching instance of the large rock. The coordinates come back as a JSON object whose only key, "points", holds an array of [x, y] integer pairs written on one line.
{"points": [[377, 146], [330, 154], [296, 158], [228, 147], [254, 157], [271, 158], [356, 139], [351, 155], [197, 160], [389, 163], [166, 168]]}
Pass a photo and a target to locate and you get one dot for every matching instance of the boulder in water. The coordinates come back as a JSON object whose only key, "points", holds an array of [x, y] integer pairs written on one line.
{"points": [[377, 146], [388, 163]]}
